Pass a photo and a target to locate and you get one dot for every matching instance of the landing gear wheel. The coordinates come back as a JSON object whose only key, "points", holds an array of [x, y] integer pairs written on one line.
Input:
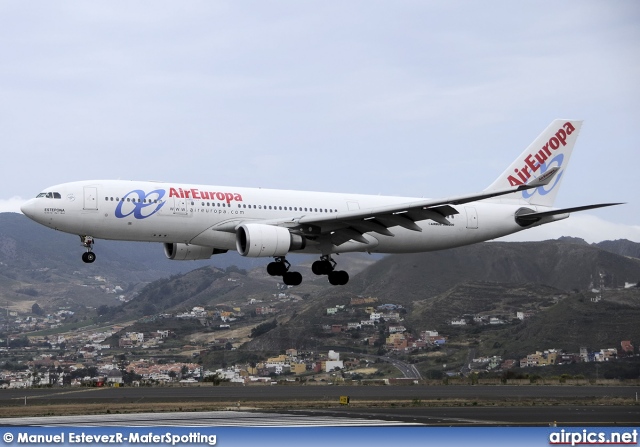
{"points": [[276, 268], [87, 242], [322, 267], [292, 278], [338, 278]]}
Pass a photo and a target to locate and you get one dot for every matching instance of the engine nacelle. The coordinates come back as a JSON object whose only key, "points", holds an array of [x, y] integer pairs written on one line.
{"points": [[186, 252], [258, 240]]}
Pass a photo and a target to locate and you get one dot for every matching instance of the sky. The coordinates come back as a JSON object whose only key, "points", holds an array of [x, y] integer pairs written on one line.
{"points": [[408, 98]]}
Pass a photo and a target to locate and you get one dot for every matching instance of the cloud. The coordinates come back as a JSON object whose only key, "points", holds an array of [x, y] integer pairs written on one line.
{"points": [[585, 226], [11, 205]]}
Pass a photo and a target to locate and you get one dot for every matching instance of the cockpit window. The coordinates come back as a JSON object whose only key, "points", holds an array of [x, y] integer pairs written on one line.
{"points": [[49, 195]]}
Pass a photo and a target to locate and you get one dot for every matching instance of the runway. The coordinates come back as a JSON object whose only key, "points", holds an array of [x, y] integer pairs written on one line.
{"points": [[356, 417], [498, 416], [205, 419], [319, 406]]}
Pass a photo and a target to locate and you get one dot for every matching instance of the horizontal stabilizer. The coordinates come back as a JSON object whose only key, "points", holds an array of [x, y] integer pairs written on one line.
{"points": [[526, 219]]}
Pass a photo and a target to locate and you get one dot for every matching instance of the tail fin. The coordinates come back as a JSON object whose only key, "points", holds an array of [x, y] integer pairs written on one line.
{"points": [[552, 148]]}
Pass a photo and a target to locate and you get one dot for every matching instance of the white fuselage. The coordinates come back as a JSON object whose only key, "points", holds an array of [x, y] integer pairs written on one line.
{"points": [[208, 215]]}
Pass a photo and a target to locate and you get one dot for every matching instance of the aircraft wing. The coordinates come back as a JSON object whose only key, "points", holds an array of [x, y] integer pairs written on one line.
{"points": [[351, 225]]}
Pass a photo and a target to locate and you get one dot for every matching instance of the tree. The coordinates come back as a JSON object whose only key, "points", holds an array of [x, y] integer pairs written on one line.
{"points": [[263, 328], [36, 309]]}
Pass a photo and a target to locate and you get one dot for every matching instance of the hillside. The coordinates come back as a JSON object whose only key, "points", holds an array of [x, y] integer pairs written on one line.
{"points": [[572, 323], [40, 265], [493, 278], [562, 265], [622, 247], [551, 279]]}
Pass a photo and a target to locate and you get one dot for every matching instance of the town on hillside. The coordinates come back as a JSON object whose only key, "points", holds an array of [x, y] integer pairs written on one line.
{"points": [[186, 347]]}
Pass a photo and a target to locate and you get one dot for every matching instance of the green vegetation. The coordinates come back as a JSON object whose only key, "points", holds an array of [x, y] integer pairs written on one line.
{"points": [[263, 328]]}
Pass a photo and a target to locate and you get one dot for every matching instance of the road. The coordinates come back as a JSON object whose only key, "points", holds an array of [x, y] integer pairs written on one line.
{"points": [[408, 370]]}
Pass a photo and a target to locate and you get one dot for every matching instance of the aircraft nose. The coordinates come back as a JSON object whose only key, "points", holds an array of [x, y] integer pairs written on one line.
{"points": [[28, 208]]}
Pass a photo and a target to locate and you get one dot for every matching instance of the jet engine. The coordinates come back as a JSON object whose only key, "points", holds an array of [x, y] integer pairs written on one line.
{"points": [[186, 252], [258, 240]]}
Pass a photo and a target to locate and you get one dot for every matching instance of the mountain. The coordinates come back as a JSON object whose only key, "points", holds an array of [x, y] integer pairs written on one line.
{"points": [[622, 247], [571, 323], [552, 280], [41, 265], [562, 265], [492, 278]]}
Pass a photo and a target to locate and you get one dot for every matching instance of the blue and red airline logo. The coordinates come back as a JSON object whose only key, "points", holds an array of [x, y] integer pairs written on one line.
{"points": [[539, 162], [140, 204]]}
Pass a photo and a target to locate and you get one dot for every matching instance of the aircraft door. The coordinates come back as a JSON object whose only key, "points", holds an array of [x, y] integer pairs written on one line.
{"points": [[472, 217], [353, 206], [90, 198]]}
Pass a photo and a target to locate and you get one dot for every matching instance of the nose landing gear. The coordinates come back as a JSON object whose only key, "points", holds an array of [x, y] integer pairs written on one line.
{"points": [[326, 266], [89, 256]]}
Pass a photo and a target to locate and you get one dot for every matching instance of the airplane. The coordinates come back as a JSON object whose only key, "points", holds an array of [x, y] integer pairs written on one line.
{"points": [[198, 221]]}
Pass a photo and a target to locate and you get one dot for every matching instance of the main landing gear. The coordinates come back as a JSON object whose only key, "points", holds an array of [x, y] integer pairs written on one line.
{"points": [[280, 267], [89, 256], [326, 266]]}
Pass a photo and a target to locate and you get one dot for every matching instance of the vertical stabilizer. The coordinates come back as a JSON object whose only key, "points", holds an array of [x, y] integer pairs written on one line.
{"points": [[552, 148]]}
